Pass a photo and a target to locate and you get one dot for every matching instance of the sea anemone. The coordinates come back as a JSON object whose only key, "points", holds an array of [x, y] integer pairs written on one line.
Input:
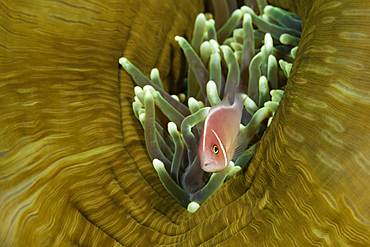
{"points": [[74, 166], [249, 57]]}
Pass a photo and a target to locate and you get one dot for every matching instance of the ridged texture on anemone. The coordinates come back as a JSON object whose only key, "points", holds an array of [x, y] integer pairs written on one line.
{"points": [[73, 165]]}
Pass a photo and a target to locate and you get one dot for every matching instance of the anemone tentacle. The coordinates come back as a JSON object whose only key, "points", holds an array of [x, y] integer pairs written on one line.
{"points": [[208, 61]]}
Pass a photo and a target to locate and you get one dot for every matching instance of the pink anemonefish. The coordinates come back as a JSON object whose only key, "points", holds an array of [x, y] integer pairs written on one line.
{"points": [[219, 137]]}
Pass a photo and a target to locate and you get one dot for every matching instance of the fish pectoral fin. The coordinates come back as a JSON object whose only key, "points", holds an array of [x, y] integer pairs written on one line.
{"points": [[240, 144]]}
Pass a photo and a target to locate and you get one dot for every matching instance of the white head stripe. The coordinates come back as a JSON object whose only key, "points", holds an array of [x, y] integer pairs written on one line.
{"points": [[212, 111], [204, 135], [222, 146]]}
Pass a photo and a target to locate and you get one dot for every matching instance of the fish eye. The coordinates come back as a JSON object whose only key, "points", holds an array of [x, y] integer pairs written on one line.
{"points": [[214, 149]]}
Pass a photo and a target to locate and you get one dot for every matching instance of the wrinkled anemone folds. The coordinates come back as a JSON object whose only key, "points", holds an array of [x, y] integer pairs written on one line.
{"points": [[249, 49]]}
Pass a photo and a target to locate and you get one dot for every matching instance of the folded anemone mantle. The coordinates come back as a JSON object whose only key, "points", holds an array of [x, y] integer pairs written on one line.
{"points": [[73, 166]]}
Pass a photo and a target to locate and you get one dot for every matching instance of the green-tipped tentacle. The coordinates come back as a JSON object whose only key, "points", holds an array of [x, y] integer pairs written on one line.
{"points": [[179, 194], [141, 80], [216, 180], [167, 109], [286, 67], [284, 18], [212, 94], [195, 63], [272, 72], [254, 76], [199, 29], [215, 70], [288, 39], [151, 141], [233, 74], [248, 43], [263, 89], [267, 51], [275, 30], [229, 26], [179, 149], [186, 125], [250, 105], [211, 30], [155, 78]]}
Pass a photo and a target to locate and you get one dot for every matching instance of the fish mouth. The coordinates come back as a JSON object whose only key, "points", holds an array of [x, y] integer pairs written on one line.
{"points": [[211, 168]]}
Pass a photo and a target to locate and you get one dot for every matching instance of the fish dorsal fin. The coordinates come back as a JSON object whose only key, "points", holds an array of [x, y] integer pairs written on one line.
{"points": [[225, 101], [241, 89], [239, 95]]}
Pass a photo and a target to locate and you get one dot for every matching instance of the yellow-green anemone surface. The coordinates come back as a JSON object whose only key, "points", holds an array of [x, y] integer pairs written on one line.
{"points": [[73, 166]]}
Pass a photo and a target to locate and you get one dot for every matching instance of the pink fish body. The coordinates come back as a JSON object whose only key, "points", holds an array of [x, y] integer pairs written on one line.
{"points": [[219, 137]]}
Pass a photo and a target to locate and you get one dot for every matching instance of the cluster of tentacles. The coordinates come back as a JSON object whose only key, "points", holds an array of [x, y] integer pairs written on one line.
{"points": [[219, 61]]}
